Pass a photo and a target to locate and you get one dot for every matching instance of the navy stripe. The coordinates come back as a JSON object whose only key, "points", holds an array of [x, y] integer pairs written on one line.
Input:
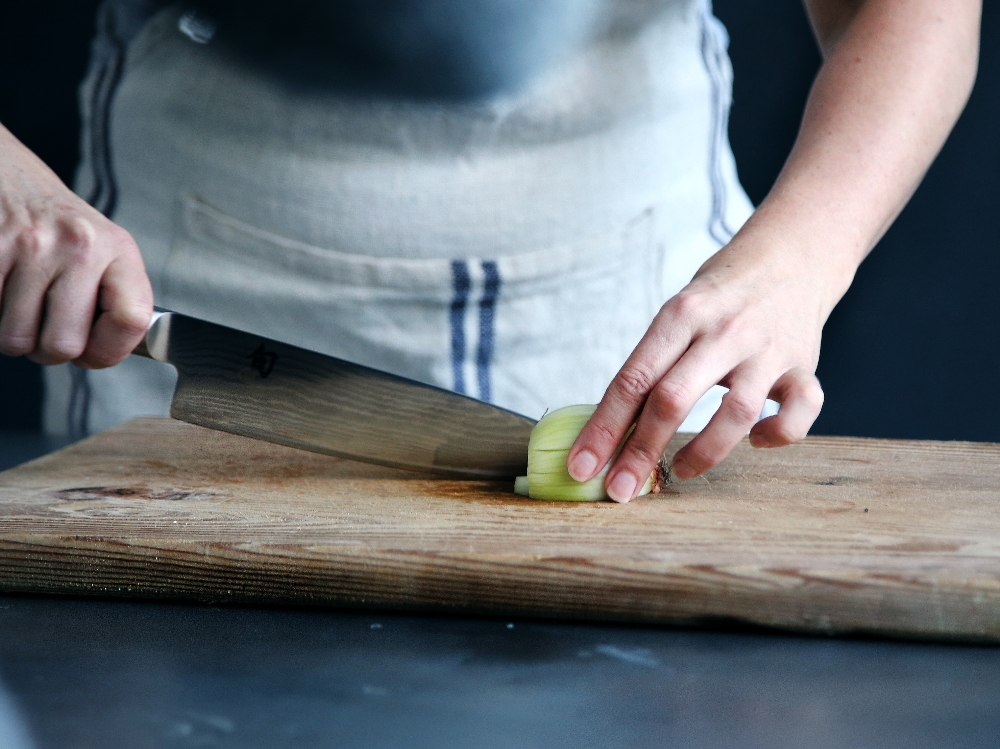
{"points": [[487, 311], [713, 54], [104, 192], [461, 283]]}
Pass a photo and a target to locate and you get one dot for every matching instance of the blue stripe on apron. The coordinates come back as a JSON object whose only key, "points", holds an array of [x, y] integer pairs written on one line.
{"points": [[487, 310], [462, 282]]}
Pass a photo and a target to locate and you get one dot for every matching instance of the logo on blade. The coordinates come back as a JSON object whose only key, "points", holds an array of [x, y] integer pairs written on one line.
{"points": [[263, 360]]}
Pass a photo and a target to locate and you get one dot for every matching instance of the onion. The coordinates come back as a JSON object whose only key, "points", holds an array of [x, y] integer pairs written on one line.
{"points": [[548, 449]]}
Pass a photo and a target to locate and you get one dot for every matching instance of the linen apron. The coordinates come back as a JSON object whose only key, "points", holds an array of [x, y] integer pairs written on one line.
{"points": [[514, 249]]}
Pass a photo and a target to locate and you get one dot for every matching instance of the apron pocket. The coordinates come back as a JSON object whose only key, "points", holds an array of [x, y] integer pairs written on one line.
{"points": [[387, 313], [530, 331]]}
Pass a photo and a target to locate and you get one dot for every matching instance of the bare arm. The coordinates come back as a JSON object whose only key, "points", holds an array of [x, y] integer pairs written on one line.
{"points": [[896, 76], [61, 264]]}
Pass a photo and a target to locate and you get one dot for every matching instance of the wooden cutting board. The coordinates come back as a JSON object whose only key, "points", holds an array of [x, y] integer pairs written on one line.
{"points": [[834, 535]]}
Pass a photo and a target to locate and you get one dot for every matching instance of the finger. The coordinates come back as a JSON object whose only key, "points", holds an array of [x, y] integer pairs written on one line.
{"points": [[704, 364], [69, 313], [801, 398], [21, 309], [663, 345], [126, 303], [740, 410]]}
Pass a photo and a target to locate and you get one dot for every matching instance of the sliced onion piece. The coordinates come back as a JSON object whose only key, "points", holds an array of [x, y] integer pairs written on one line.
{"points": [[548, 450]]}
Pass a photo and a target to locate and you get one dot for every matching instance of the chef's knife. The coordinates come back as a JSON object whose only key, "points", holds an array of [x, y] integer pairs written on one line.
{"points": [[249, 385]]}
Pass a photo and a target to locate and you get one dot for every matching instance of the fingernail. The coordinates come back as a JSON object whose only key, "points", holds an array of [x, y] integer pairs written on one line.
{"points": [[583, 465], [682, 470], [622, 487]]}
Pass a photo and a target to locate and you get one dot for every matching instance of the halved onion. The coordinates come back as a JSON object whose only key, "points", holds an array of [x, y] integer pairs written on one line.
{"points": [[548, 449]]}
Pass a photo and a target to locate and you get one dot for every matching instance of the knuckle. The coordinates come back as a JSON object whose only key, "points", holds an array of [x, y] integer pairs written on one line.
{"points": [[641, 453], [634, 383], [131, 322], [16, 344], [807, 390], [702, 457], [62, 349], [33, 242], [732, 327], [604, 435], [669, 402], [741, 408], [685, 304], [123, 241], [814, 395], [100, 360], [80, 240], [785, 434]]}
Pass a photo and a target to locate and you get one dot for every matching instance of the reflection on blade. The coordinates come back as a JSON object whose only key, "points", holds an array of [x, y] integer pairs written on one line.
{"points": [[248, 385]]}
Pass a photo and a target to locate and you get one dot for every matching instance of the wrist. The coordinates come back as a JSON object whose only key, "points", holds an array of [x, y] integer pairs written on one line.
{"points": [[808, 237], [780, 253]]}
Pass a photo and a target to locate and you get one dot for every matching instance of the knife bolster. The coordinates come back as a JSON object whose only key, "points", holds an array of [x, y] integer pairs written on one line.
{"points": [[154, 343]]}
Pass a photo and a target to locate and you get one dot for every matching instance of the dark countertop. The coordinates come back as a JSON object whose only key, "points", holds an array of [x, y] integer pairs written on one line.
{"points": [[87, 673]]}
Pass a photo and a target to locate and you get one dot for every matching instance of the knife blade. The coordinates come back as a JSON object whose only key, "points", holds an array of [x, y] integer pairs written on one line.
{"points": [[245, 384]]}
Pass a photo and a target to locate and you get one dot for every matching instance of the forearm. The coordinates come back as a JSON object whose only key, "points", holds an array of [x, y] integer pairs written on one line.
{"points": [[896, 76]]}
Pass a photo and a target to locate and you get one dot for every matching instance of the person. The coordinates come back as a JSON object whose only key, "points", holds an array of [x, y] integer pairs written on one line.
{"points": [[519, 201]]}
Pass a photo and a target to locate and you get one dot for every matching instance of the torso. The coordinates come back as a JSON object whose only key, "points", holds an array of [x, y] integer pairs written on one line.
{"points": [[513, 247]]}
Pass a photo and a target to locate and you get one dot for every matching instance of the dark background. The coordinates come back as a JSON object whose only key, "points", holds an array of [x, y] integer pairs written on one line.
{"points": [[909, 352]]}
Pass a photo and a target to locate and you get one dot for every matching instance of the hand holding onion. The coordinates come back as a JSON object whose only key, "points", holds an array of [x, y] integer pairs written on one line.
{"points": [[894, 79], [751, 321]]}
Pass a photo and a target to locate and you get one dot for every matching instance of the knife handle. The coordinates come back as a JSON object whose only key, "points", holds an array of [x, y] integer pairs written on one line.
{"points": [[155, 334]]}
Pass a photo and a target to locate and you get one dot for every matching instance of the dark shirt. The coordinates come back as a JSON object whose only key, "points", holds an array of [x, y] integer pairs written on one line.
{"points": [[438, 48]]}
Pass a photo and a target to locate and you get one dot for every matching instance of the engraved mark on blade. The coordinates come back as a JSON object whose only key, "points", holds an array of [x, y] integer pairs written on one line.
{"points": [[83, 493], [263, 360]]}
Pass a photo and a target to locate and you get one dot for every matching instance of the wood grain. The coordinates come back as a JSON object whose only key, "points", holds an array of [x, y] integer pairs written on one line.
{"points": [[834, 535]]}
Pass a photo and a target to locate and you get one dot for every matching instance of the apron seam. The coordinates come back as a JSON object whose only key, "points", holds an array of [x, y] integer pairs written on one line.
{"points": [[713, 55], [103, 195]]}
